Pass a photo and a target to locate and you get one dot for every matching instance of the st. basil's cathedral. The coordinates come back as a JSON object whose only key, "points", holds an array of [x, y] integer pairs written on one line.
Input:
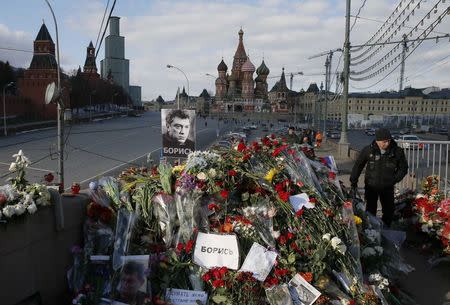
{"points": [[238, 91]]}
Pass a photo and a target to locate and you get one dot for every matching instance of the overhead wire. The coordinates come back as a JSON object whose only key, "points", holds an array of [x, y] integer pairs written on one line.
{"points": [[101, 25], [389, 53], [356, 60], [430, 27], [386, 32], [429, 68], [382, 26]]}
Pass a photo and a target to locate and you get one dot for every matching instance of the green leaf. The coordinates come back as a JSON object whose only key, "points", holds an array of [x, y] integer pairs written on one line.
{"points": [[291, 258], [218, 299]]}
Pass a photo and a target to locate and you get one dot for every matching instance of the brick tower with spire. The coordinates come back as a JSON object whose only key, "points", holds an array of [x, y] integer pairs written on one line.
{"points": [[42, 71]]}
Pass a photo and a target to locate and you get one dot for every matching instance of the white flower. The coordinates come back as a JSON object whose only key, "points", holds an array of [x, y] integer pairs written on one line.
{"points": [[335, 242], [425, 228], [18, 155], [372, 235], [369, 251], [28, 200], [379, 250], [276, 234], [13, 167], [326, 236], [9, 211], [32, 208], [212, 172], [19, 209], [201, 176], [342, 248], [375, 277]]}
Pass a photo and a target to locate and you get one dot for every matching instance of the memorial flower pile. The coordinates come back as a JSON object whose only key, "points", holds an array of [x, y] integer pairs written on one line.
{"points": [[258, 223], [19, 197], [433, 212]]}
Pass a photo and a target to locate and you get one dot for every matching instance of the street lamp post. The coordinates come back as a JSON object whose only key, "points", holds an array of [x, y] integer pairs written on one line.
{"points": [[60, 108], [187, 80], [4, 107]]}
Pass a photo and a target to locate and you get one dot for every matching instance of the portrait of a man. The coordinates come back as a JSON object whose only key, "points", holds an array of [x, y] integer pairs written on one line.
{"points": [[132, 281], [178, 129]]}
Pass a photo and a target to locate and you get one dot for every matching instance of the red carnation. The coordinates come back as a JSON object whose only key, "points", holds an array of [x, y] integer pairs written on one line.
{"points": [[206, 277], [218, 283], [284, 196], [289, 235], [189, 245], [224, 194], [213, 206], [299, 212], [282, 240], [241, 146], [332, 175], [313, 200], [180, 247], [232, 172]]}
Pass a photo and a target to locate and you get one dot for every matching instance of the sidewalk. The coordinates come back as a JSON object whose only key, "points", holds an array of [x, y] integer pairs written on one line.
{"points": [[425, 285]]}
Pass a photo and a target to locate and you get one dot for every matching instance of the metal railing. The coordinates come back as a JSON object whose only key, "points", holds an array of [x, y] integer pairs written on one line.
{"points": [[426, 158]]}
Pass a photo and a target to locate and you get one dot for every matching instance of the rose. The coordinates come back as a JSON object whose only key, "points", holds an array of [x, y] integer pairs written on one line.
{"points": [[75, 188]]}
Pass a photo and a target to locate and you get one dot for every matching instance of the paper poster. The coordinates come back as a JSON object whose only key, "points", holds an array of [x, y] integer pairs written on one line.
{"points": [[302, 292], [186, 297], [259, 261], [279, 295], [130, 286], [299, 201], [214, 250], [178, 132]]}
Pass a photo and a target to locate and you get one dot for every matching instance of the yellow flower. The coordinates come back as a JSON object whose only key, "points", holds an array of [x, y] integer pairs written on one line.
{"points": [[358, 220], [269, 176], [178, 168]]}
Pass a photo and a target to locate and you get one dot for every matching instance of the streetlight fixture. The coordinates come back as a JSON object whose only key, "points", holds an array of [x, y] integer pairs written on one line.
{"points": [[60, 106], [4, 107], [207, 74], [187, 80]]}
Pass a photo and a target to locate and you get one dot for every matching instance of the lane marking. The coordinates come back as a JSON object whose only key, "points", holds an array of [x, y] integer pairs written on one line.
{"points": [[117, 166]]}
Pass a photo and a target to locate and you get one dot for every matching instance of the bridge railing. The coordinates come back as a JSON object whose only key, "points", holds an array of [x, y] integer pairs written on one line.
{"points": [[426, 158]]}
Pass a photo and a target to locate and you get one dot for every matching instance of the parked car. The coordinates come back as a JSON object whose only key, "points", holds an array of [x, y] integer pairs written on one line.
{"points": [[408, 145], [370, 131], [335, 135]]}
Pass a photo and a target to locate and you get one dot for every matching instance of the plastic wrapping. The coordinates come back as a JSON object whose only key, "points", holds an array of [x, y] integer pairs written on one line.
{"points": [[98, 238], [99, 196], [76, 273], [261, 217], [395, 237], [166, 213], [186, 203], [300, 169], [111, 186], [326, 285], [353, 243], [125, 222], [279, 295], [395, 267]]}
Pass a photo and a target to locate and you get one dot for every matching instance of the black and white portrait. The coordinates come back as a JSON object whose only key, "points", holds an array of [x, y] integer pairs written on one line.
{"points": [[178, 132]]}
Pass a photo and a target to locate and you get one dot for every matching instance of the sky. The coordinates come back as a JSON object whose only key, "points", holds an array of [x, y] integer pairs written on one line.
{"points": [[194, 35]]}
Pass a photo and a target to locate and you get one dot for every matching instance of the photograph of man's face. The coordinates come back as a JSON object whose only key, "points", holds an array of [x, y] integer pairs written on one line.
{"points": [[178, 126], [131, 282], [178, 132]]}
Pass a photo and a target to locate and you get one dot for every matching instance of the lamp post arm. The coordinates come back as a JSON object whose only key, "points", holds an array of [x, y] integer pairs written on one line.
{"points": [[187, 80]]}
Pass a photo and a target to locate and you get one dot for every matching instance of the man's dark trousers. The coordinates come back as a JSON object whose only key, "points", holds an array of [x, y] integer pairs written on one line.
{"points": [[386, 195]]}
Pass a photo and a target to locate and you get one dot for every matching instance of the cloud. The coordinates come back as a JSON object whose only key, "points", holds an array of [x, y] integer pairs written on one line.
{"points": [[18, 40], [195, 34]]}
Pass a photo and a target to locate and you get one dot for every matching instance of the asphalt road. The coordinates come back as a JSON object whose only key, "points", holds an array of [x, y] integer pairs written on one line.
{"points": [[96, 149]]}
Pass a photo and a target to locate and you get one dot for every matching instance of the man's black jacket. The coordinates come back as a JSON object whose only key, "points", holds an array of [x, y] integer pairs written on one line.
{"points": [[383, 170]]}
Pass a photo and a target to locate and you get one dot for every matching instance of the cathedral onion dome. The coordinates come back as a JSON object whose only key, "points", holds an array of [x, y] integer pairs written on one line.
{"points": [[262, 69], [258, 78], [248, 66], [222, 66]]}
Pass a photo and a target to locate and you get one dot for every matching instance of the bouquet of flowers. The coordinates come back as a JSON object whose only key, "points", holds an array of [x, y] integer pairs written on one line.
{"points": [[206, 225], [19, 197]]}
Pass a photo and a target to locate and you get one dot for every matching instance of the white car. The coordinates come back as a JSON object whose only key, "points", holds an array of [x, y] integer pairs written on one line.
{"points": [[410, 141]]}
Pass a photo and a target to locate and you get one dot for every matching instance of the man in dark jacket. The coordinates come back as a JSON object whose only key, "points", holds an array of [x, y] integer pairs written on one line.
{"points": [[386, 166], [292, 137]]}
